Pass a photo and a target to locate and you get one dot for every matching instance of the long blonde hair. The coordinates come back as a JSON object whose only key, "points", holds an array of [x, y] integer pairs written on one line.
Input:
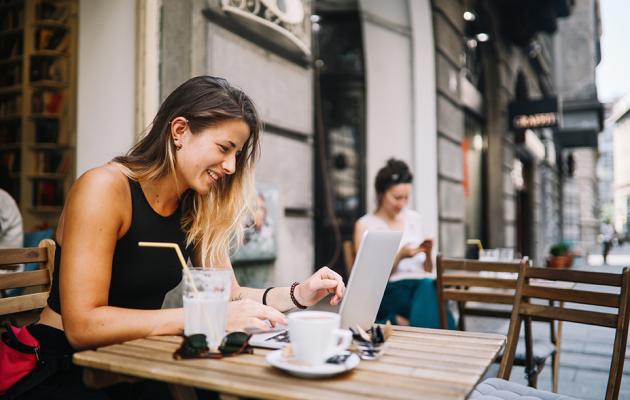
{"points": [[214, 222]]}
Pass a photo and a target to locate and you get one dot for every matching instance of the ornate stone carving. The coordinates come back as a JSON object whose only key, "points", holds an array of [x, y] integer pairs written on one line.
{"points": [[286, 18]]}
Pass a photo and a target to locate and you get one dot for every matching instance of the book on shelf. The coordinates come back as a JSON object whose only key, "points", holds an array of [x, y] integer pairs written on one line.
{"points": [[49, 68], [10, 131], [64, 166], [47, 101], [12, 18], [46, 130], [47, 193], [10, 74], [50, 39], [11, 47], [52, 12], [10, 105], [52, 162], [10, 161]]}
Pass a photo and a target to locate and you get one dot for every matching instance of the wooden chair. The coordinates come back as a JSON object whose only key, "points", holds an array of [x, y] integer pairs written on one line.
{"points": [[348, 255], [524, 310], [25, 308], [487, 289]]}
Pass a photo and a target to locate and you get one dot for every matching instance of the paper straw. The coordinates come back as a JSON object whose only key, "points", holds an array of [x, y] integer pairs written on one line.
{"points": [[179, 255]]}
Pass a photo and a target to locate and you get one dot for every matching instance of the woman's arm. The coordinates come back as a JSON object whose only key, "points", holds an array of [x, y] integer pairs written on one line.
{"points": [[427, 247], [280, 300], [95, 216], [359, 230], [246, 310], [323, 282]]}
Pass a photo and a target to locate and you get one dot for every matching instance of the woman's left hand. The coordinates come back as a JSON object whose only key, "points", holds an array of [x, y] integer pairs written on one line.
{"points": [[318, 286]]}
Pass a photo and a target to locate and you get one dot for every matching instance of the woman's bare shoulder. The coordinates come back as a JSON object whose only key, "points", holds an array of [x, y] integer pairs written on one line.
{"points": [[108, 180], [97, 195], [99, 189], [102, 188]]}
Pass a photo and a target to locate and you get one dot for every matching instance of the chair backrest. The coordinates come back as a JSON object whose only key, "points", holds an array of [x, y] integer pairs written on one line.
{"points": [[348, 255], [486, 282], [526, 308], [36, 284]]}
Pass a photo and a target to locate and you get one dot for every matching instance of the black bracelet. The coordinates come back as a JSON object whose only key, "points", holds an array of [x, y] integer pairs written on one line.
{"points": [[264, 299], [293, 299]]}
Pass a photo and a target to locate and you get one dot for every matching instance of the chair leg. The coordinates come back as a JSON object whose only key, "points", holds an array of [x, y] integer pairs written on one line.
{"points": [[555, 363], [556, 337], [507, 360], [531, 369], [555, 360], [461, 323], [532, 376]]}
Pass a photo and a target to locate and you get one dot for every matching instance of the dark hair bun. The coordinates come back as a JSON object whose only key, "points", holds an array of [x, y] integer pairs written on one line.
{"points": [[393, 173]]}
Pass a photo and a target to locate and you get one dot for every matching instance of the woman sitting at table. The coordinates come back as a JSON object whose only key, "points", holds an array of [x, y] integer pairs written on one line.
{"points": [[410, 296], [188, 181]]}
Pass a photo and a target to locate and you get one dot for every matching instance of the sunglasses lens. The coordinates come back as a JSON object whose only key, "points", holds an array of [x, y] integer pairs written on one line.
{"points": [[196, 346], [197, 341], [193, 345], [234, 342]]}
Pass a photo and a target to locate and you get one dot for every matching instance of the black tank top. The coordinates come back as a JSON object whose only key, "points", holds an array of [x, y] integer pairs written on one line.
{"points": [[141, 276]]}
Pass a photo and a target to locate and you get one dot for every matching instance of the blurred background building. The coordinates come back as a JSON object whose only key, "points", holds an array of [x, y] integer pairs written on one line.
{"points": [[493, 105], [605, 169], [578, 38], [620, 126]]}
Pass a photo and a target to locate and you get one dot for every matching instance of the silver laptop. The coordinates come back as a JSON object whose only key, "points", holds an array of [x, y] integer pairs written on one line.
{"points": [[364, 291]]}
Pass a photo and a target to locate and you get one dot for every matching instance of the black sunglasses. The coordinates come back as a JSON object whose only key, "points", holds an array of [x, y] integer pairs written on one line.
{"points": [[196, 346]]}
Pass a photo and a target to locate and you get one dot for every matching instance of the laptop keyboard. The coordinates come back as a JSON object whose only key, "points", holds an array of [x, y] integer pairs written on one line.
{"points": [[282, 337]]}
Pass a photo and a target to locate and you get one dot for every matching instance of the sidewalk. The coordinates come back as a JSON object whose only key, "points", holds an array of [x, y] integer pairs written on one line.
{"points": [[586, 350]]}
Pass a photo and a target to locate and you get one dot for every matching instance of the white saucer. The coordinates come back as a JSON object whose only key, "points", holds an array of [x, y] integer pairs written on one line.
{"points": [[276, 359]]}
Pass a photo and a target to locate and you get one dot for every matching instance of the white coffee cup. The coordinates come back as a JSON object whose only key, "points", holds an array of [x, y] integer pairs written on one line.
{"points": [[315, 336]]}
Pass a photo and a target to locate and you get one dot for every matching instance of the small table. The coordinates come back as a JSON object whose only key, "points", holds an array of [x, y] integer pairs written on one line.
{"points": [[418, 363]]}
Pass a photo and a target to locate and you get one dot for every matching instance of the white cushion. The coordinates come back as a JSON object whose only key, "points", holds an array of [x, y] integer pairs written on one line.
{"points": [[500, 389]]}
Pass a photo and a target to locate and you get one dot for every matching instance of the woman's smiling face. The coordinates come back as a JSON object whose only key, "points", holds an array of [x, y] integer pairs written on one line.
{"points": [[206, 157]]}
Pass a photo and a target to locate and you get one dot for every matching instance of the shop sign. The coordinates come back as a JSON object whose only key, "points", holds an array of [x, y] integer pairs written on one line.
{"points": [[533, 114]]}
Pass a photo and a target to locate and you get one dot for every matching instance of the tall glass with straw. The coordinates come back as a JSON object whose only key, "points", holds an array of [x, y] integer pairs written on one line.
{"points": [[206, 292]]}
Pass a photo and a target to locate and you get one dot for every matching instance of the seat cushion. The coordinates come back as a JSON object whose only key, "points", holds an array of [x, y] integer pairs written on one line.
{"points": [[500, 389]]}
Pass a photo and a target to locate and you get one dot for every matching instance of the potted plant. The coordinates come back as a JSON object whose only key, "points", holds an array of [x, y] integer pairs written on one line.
{"points": [[560, 256]]}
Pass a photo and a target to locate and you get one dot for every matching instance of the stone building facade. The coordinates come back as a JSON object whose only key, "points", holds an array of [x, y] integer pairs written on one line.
{"points": [[198, 37], [430, 81], [517, 197]]}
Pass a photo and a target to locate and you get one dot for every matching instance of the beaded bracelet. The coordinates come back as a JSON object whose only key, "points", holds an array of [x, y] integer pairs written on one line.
{"points": [[264, 298], [293, 299]]}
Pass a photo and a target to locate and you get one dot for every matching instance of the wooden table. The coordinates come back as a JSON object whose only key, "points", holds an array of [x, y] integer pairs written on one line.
{"points": [[418, 363]]}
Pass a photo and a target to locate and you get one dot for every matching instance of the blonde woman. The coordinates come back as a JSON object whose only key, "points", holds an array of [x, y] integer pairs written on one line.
{"points": [[188, 181]]}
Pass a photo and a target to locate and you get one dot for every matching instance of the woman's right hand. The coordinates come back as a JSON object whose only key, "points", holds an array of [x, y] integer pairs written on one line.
{"points": [[249, 314]]}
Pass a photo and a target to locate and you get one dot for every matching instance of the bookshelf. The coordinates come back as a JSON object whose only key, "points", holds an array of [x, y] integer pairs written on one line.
{"points": [[37, 105]]}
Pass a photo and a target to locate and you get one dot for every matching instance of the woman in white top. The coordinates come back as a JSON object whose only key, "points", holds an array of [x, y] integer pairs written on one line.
{"points": [[410, 296]]}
